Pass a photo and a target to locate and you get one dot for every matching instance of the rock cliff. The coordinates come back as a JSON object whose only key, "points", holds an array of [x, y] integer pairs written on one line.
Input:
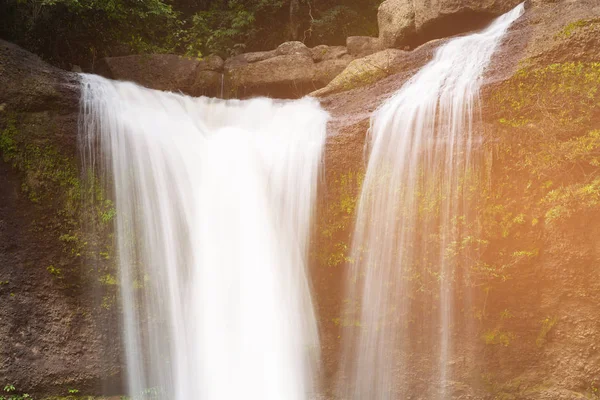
{"points": [[532, 327]]}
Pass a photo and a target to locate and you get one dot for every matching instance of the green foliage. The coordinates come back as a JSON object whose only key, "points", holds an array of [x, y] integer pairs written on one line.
{"points": [[75, 31], [81, 31], [10, 394], [341, 20], [223, 30]]}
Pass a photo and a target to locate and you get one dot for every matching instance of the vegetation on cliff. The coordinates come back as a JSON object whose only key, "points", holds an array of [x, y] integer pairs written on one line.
{"points": [[78, 32]]}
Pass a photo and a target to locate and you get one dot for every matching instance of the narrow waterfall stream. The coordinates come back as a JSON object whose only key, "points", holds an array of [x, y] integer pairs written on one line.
{"points": [[213, 209], [413, 211]]}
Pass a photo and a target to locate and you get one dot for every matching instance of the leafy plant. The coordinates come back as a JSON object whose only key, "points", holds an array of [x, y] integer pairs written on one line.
{"points": [[10, 390]]}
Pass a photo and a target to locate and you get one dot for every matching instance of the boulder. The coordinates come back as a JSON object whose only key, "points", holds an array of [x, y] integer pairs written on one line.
{"points": [[396, 20], [326, 71], [284, 76], [428, 13], [409, 23], [207, 83], [248, 58], [361, 46], [324, 52], [211, 63], [290, 48], [284, 49], [291, 71], [364, 71], [164, 71]]}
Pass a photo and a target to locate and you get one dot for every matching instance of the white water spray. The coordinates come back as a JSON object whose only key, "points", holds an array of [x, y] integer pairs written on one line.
{"points": [[214, 201], [412, 209]]}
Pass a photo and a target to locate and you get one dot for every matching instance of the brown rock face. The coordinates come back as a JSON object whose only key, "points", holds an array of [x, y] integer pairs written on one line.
{"points": [[290, 71], [166, 72], [53, 334], [529, 330]]}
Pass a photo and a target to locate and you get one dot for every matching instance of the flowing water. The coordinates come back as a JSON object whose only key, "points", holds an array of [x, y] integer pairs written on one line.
{"points": [[413, 222], [213, 208]]}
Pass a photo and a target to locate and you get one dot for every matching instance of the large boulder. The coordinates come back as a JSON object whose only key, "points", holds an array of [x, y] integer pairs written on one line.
{"points": [[409, 23], [166, 72], [290, 71], [396, 20], [365, 71], [428, 13], [291, 48]]}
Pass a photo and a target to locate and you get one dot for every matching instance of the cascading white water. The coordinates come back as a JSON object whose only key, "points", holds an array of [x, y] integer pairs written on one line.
{"points": [[214, 201], [411, 210]]}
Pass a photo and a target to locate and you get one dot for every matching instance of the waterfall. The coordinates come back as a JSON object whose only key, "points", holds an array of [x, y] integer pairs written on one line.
{"points": [[414, 210], [214, 201]]}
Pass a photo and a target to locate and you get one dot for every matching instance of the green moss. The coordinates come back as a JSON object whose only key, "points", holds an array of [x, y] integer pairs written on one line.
{"points": [[363, 76], [546, 154], [546, 326], [542, 187], [336, 223], [55, 272], [47, 172], [568, 30], [564, 94], [108, 279], [495, 336], [51, 180]]}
